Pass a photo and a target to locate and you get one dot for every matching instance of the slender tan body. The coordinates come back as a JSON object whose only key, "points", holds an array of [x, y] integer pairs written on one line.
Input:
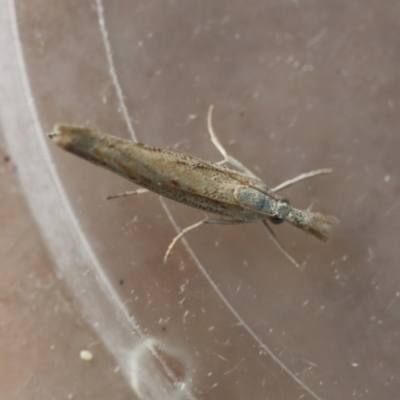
{"points": [[188, 180], [180, 177], [238, 196]]}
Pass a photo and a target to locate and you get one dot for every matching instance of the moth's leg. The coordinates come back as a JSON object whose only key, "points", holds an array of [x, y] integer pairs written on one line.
{"points": [[197, 224], [279, 245], [220, 221], [125, 194], [301, 177], [227, 158], [180, 236]]}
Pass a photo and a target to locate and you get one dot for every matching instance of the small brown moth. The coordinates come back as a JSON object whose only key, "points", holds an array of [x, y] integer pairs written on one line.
{"points": [[240, 197]]}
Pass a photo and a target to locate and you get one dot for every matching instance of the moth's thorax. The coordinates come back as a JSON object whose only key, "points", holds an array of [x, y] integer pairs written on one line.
{"points": [[265, 202]]}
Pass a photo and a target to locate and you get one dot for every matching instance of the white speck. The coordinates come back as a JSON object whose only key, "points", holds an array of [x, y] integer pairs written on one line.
{"points": [[371, 254], [387, 178], [140, 43], [86, 355], [354, 365], [238, 36], [317, 37], [390, 103], [344, 258], [290, 59], [150, 35]]}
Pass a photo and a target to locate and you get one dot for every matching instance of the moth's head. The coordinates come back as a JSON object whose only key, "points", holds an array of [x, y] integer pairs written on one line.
{"points": [[282, 211]]}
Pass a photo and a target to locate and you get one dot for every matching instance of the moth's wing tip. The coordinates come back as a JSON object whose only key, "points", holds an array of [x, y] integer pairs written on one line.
{"points": [[64, 135]]}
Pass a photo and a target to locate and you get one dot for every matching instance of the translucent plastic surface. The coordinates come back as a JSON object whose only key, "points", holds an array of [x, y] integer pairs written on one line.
{"points": [[297, 86]]}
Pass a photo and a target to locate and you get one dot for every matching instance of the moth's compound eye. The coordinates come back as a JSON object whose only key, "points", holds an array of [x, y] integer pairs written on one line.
{"points": [[276, 220]]}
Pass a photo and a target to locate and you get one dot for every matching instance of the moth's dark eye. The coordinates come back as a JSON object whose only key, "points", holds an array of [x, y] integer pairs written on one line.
{"points": [[277, 220]]}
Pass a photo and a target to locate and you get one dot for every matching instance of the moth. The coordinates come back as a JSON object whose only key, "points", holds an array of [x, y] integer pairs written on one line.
{"points": [[237, 195]]}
